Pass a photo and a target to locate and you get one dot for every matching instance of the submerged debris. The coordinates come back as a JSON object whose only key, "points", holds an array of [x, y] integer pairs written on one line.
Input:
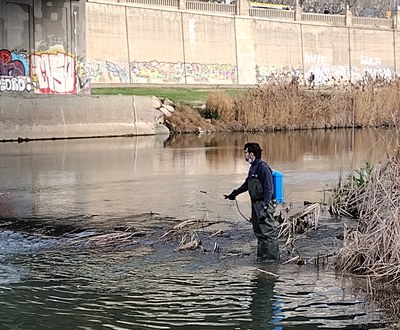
{"points": [[193, 244], [297, 224], [300, 222], [118, 239]]}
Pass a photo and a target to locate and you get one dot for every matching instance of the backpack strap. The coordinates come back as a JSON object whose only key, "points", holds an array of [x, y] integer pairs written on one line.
{"points": [[260, 167]]}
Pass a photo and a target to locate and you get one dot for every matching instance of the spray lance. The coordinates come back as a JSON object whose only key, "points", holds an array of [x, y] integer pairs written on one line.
{"points": [[226, 197]]}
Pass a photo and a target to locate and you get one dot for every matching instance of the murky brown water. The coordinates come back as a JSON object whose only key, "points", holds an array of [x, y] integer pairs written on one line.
{"points": [[87, 183]]}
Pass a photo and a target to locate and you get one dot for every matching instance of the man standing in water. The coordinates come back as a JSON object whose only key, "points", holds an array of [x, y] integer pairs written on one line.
{"points": [[259, 184]]}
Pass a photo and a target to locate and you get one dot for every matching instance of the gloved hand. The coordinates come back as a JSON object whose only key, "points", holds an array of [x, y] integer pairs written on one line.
{"points": [[232, 195]]}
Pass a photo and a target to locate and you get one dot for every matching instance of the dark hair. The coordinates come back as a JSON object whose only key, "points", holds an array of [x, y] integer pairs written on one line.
{"points": [[254, 148]]}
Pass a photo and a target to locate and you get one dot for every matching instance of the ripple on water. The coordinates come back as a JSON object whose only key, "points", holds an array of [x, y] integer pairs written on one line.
{"points": [[120, 290]]}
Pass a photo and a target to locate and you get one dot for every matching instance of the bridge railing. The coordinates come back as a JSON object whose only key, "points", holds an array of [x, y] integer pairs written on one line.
{"points": [[369, 21], [272, 13], [211, 6], [161, 3], [328, 19], [290, 15]]}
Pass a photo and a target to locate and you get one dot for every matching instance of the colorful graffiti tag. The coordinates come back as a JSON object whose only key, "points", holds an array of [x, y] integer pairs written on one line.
{"points": [[169, 72], [50, 72], [16, 84], [13, 64], [14, 70], [54, 72], [175, 72]]}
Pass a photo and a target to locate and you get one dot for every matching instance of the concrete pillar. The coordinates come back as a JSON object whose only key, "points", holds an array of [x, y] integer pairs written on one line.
{"points": [[297, 11], [243, 7], [182, 4], [349, 16]]}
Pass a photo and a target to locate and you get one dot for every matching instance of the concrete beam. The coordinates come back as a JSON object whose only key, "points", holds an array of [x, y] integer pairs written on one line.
{"points": [[62, 116]]}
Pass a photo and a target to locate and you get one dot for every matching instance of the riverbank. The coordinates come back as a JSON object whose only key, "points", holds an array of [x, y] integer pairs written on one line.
{"points": [[286, 108], [197, 110]]}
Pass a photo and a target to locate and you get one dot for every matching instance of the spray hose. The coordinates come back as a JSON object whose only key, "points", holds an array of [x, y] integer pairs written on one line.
{"points": [[237, 204]]}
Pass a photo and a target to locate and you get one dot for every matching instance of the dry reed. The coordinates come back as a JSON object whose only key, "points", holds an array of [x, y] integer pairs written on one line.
{"points": [[373, 249], [288, 107]]}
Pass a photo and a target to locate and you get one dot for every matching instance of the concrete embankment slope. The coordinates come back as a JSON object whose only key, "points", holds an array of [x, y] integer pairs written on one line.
{"points": [[71, 116]]}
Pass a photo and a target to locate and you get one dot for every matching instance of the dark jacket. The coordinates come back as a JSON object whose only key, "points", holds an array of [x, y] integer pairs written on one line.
{"points": [[263, 171]]}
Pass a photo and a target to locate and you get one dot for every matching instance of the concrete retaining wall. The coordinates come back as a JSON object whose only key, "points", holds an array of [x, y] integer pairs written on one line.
{"points": [[47, 117], [160, 45]]}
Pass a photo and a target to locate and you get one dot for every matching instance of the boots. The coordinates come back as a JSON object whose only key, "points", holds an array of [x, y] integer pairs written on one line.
{"points": [[267, 251]]}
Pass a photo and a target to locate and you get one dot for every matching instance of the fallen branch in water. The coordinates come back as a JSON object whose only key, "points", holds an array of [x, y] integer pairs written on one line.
{"points": [[265, 272], [185, 226], [193, 244], [120, 239]]}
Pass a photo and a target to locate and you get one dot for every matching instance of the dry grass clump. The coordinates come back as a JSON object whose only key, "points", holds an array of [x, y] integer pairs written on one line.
{"points": [[220, 105], [374, 248], [185, 120]]}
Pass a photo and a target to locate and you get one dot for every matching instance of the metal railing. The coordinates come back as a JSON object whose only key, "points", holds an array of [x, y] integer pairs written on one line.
{"points": [[323, 18], [272, 13], [211, 6]]}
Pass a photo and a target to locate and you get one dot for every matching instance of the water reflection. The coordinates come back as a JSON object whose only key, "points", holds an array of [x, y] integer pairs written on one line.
{"points": [[142, 174]]}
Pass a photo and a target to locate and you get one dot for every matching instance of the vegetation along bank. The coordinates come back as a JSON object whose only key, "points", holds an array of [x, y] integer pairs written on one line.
{"points": [[277, 107]]}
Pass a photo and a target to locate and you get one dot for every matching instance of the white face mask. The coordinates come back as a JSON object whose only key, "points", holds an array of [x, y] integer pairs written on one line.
{"points": [[249, 160]]}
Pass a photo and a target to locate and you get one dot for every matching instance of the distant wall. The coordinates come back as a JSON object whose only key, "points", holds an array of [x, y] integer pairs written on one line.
{"points": [[147, 45], [130, 43]]}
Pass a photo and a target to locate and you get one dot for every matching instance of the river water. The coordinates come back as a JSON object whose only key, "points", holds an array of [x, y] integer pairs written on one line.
{"points": [[55, 191]]}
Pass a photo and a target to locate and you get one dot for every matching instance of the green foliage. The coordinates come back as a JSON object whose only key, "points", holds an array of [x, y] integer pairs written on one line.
{"points": [[180, 95], [209, 114], [362, 175]]}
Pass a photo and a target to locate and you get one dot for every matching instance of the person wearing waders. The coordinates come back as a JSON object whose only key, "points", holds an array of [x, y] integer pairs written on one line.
{"points": [[259, 184]]}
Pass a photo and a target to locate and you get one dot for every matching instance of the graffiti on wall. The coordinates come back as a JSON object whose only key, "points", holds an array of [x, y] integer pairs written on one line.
{"points": [[274, 75], [54, 72], [169, 72], [14, 71], [175, 72], [13, 63], [369, 69], [86, 72], [16, 84], [117, 71], [322, 72], [49, 72]]}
